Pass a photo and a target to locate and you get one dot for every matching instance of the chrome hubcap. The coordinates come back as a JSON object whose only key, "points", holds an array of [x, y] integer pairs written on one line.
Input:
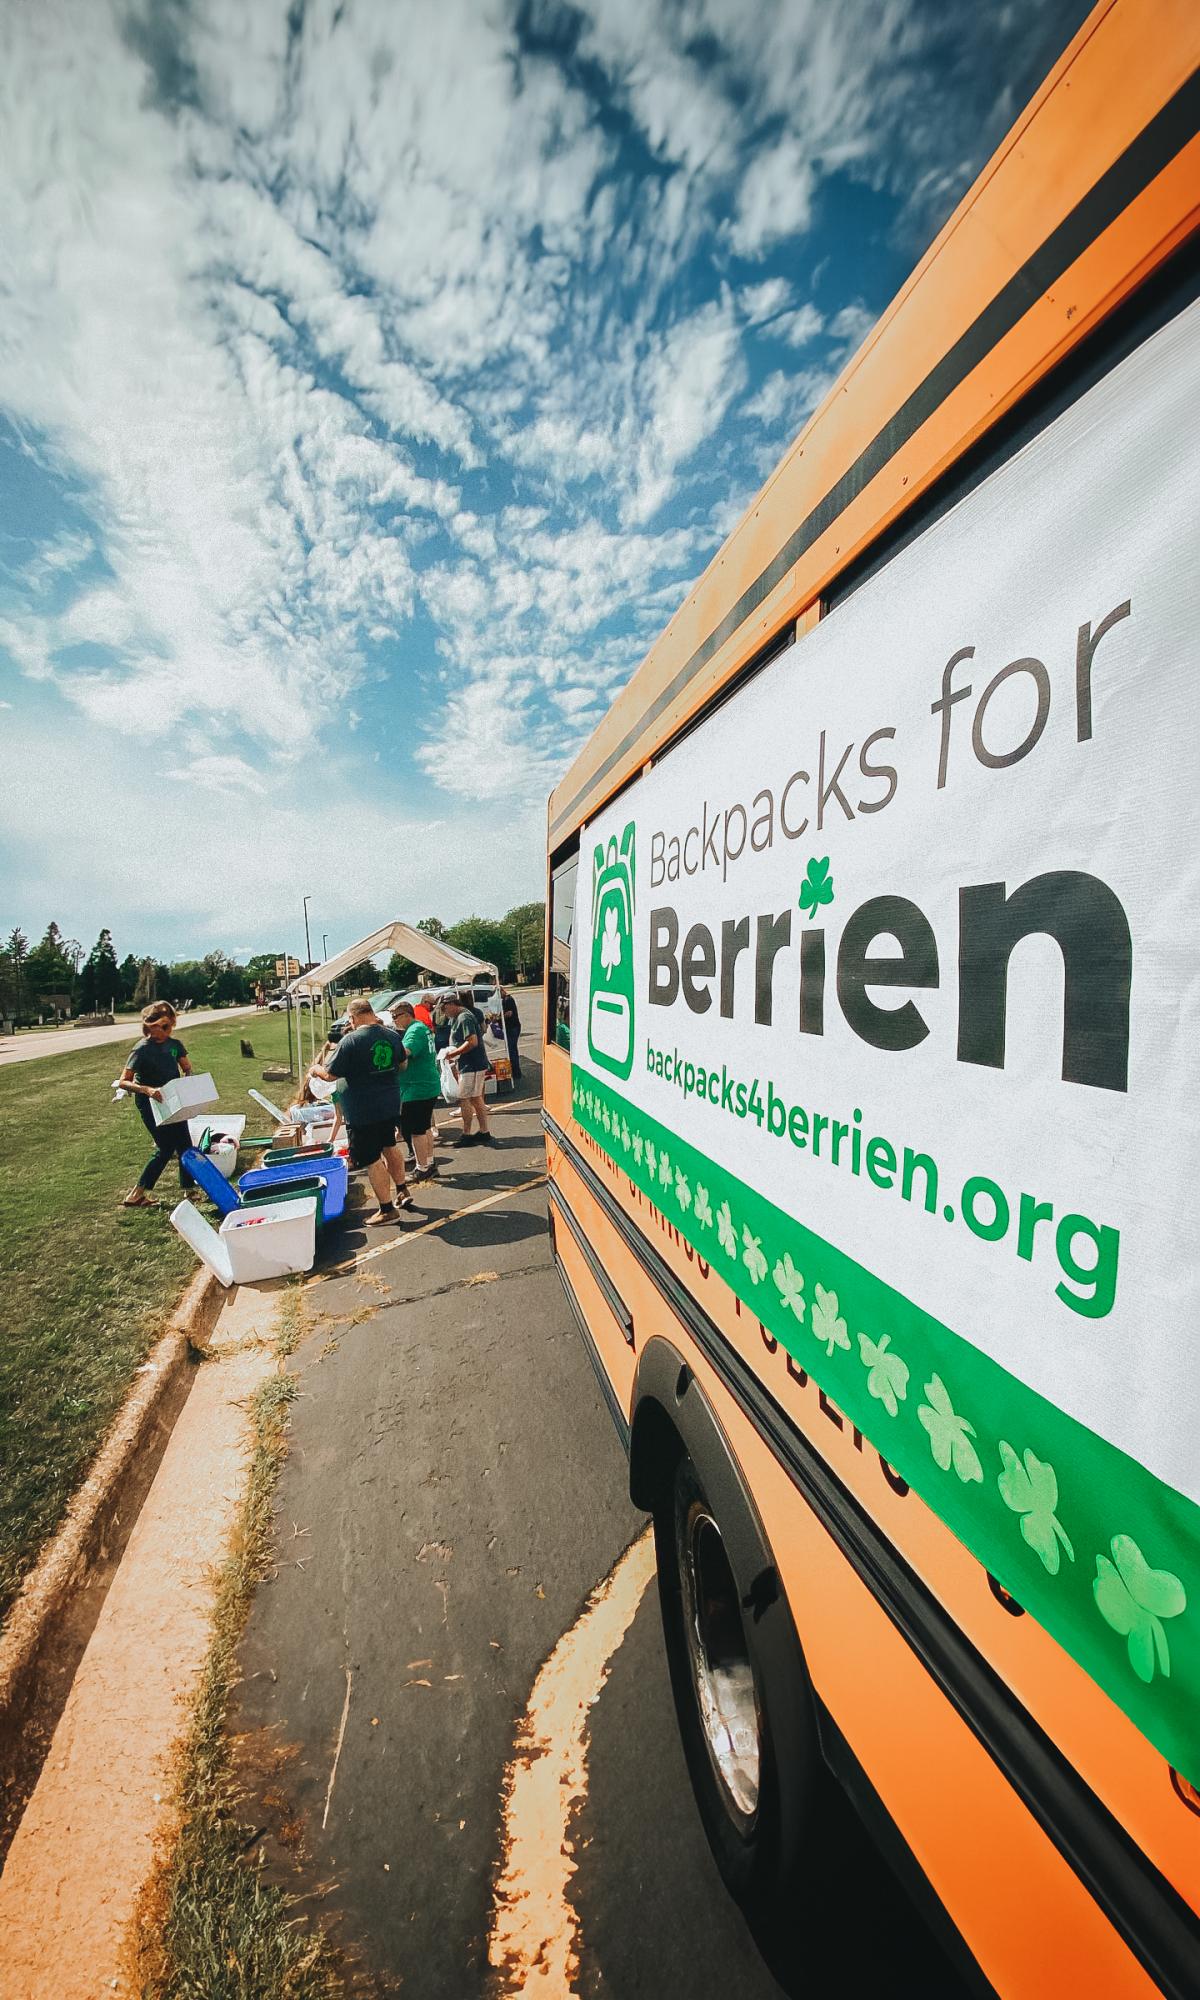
{"points": [[720, 1663]]}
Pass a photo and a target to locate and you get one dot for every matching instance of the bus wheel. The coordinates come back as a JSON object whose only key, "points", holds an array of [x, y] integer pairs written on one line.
{"points": [[741, 1691]]}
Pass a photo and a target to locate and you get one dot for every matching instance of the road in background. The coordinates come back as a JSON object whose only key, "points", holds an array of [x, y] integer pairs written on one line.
{"points": [[454, 1492], [36, 1042]]}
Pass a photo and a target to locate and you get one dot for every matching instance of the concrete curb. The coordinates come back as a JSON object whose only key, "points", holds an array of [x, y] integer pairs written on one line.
{"points": [[49, 1623]]}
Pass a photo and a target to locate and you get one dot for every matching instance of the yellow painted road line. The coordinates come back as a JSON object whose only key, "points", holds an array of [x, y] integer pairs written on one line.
{"points": [[399, 1242], [533, 1941]]}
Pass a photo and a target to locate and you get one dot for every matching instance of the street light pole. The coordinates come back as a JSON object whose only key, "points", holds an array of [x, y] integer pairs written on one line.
{"points": [[307, 939]]}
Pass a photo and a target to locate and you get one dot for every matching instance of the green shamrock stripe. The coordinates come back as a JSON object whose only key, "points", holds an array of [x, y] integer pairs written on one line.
{"points": [[1099, 1551]]}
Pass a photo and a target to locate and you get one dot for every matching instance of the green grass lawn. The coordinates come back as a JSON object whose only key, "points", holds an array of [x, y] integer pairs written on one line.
{"points": [[86, 1284]]}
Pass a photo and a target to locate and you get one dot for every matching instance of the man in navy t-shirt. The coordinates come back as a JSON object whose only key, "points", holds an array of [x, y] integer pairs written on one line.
{"points": [[368, 1061]]}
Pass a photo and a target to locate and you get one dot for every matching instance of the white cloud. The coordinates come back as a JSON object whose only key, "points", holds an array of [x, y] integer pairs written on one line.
{"points": [[378, 352], [785, 400], [800, 327], [852, 325], [764, 301], [775, 198]]}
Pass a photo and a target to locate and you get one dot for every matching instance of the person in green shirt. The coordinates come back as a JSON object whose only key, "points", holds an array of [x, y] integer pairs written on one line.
{"points": [[419, 1088]]}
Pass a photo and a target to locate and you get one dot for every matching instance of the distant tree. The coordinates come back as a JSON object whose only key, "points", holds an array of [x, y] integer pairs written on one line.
{"points": [[15, 952], [230, 985], [526, 927], [146, 988], [401, 971], [432, 927], [73, 953], [187, 979], [47, 967], [262, 966], [364, 974], [101, 982], [484, 938], [130, 971]]}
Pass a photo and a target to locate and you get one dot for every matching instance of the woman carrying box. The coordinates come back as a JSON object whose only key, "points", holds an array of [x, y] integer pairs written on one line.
{"points": [[158, 1058]]}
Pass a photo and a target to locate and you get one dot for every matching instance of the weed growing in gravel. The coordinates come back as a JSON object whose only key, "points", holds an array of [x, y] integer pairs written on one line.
{"points": [[211, 1927]]}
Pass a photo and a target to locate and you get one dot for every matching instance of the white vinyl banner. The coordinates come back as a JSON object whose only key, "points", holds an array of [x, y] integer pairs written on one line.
{"points": [[885, 989]]}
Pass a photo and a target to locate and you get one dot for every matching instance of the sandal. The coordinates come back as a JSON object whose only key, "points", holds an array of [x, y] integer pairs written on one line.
{"points": [[385, 1213], [138, 1198]]}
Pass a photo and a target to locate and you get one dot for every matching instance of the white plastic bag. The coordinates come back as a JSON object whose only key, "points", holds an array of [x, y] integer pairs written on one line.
{"points": [[451, 1089]]}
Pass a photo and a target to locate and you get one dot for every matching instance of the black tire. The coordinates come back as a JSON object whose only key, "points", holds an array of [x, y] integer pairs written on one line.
{"points": [[744, 1638]]}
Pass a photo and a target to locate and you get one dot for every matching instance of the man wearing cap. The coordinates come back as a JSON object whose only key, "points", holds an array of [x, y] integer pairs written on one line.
{"points": [[469, 1058], [369, 1061]]}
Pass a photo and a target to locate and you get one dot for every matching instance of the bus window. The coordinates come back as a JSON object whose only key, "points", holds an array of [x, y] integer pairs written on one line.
{"points": [[558, 986]]}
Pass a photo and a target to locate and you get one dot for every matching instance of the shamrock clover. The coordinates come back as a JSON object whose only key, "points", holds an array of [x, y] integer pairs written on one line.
{"points": [[625, 1133], [949, 1434], [1134, 1599], [1031, 1490], [704, 1214], [651, 1157], [790, 1284], [636, 1143], [605, 1120], [752, 1256], [887, 1374], [665, 1170], [817, 888], [825, 1323], [726, 1230], [683, 1192], [610, 943]]}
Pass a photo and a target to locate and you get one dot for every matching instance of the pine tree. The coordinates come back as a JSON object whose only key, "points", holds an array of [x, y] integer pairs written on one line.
{"points": [[101, 975]]}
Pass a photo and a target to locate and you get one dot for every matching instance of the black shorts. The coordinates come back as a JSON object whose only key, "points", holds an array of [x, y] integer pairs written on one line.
{"points": [[416, 1116], [367, 1142]]}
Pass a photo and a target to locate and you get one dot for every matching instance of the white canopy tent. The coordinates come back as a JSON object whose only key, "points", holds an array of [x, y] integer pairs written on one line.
{"points": [[431, 954]]}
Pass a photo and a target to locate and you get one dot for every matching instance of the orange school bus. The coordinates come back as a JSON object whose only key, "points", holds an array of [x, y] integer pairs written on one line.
{"points": [[870, 1076]]}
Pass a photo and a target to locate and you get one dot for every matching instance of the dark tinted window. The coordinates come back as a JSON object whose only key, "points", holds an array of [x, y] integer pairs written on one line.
{"points": [[558, 982]]}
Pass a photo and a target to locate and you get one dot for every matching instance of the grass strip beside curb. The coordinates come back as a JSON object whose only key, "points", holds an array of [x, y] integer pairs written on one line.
{"points": [[211, 1927]]}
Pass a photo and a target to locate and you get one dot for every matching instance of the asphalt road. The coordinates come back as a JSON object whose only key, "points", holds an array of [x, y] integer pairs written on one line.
{"points": [[454, 1492], [32, 1043]]}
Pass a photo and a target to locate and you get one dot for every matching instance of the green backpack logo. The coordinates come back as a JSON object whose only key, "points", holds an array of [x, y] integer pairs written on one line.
{"points": [[610, 1015]]}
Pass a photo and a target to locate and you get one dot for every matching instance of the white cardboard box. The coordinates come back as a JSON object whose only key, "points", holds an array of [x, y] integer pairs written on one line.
{"points": [[185, 1097]]}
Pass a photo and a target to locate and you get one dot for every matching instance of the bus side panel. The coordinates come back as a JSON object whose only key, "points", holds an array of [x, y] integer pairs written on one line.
{"points": [[981, 1850], [1117, 1761]]}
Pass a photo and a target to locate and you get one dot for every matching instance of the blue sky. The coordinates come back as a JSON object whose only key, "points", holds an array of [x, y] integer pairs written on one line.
{"points": [[374, 381]]}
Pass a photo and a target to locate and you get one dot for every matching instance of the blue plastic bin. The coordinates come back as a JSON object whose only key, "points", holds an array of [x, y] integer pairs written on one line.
{"points": [[226, 1198], [333, 1172]]}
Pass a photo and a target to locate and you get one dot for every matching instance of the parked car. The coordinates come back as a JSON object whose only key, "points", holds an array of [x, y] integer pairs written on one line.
{"points": [[484, 995], [282, 1001]]}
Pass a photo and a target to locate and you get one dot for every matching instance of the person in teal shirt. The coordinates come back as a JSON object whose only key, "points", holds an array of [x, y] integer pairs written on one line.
{"points": [[420, 1088]]}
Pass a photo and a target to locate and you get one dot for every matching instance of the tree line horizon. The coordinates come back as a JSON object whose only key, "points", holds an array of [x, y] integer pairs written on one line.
{"points": [[56, 974]]}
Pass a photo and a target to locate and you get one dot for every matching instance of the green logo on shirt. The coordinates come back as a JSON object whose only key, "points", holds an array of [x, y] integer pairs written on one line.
{"points": [[381, 1056]]}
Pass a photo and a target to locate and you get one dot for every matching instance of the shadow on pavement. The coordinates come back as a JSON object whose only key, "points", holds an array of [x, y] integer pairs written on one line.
{"points": [[473, 1232]]}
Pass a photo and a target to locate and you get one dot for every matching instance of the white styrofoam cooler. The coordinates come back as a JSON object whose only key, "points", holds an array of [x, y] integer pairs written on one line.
{"points": [[226, 1133], [184, 1097], [226, 1125], [271, 1240]]}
